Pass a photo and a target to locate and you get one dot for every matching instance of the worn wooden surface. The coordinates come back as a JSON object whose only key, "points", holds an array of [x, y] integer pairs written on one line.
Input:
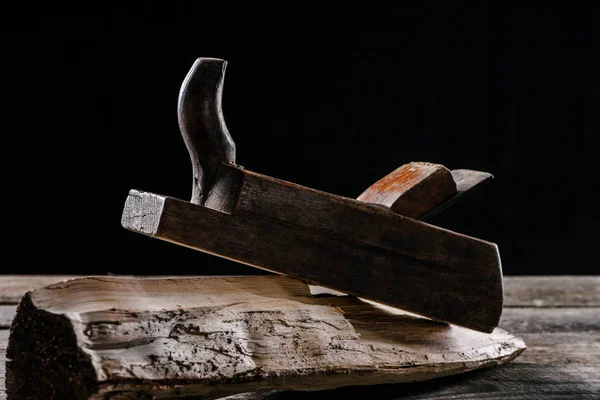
{"points": [[224, 335], [344, 244], [7, 313], [12, 287], [552, 291], [558, 317]]}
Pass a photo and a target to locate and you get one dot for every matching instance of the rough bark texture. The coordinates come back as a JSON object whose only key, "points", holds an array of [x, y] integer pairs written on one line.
{"points": [[344, 244], [118, 338]]}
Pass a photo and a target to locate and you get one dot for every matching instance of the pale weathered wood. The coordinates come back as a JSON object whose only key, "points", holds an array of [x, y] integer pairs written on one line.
{"points": [[551, 320], [340, 243], [550, 371], [547, 368], [568, 348], [552, 291], [582, 320], [12, 287], [412, 189], [520, 291], [122, 337], [3, 344], [7, 313], [556, 335]]}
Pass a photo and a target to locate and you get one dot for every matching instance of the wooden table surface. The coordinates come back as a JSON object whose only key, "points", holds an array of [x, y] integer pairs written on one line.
{"points": [[558, 317]]}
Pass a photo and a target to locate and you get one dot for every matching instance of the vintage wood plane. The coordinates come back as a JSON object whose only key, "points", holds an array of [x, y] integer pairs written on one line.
{"points": [[376, 247]]}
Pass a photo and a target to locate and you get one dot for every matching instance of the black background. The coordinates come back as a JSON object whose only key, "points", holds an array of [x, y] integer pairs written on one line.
{"points": [[332, 99]]}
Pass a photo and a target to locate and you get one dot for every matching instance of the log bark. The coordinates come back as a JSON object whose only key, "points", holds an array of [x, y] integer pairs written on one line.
{"points": [[123, 338]]}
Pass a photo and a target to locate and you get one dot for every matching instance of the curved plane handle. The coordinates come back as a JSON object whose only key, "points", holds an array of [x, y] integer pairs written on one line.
{"points": [[202, 125]]}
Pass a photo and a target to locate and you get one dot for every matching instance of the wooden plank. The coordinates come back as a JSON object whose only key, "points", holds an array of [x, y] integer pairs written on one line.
{"points": [[511, 381], [552, 291], [340, 243], [7, 313], [13, 287], [551, 320], [562, 348], [556, 335], [217, 336], [3, 345]]}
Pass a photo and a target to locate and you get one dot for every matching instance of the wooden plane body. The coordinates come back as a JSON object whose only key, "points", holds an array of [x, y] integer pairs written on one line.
{"points": [[337, 242]]}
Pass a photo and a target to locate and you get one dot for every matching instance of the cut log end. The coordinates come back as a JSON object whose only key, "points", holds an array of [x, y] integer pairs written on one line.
{"points": [[118, 338]]}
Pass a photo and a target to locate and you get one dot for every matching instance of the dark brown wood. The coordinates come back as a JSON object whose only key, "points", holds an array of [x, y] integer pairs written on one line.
{"points": [[108, 337], [554, 366], [331, 240], [202, 125], [412, 189], [416, 190], [337, 242], [422, 190]]}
